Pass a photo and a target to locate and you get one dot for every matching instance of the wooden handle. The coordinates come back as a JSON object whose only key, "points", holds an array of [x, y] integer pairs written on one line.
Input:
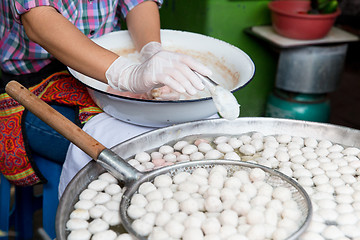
{"points": [[54, 119]]}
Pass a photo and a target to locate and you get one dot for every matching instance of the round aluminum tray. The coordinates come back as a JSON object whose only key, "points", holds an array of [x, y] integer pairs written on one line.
{"points": [[213, 127]]}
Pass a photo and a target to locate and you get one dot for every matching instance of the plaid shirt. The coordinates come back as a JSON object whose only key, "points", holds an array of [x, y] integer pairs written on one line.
{"points": [[93, 17]]}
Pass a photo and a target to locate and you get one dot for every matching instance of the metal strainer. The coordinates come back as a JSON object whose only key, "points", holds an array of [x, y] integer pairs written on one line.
{"points": [[131, 177], [273, 177]]}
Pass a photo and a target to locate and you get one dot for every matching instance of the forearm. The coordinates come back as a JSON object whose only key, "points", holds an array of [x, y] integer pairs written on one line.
{"points": [[143, 23], [52, 31]]}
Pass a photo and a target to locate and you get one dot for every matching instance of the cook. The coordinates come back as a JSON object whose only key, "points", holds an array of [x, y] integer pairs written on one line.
{"points": [[40, 38]]}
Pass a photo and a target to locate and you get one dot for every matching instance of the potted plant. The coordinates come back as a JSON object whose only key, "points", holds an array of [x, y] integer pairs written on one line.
{"points": [[302, 19], [323, 6]]}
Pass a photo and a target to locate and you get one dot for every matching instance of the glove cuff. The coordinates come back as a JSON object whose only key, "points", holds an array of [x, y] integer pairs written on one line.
{"points": [[149, 50], [118, 74]]}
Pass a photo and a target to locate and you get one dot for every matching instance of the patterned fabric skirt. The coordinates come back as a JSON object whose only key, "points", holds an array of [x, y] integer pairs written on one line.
{"points": [[16, 163]]}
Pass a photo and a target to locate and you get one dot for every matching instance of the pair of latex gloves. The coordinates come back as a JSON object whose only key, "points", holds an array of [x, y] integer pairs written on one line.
{"points": [[157, 68]]}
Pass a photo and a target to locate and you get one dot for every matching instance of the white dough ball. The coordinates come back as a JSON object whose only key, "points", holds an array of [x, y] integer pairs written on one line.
{"points": [[142, 228], [180, 177], [80, 214], [174, 229], [180, 196], [171, 206], [146, 187], [166, 149], [113, 189], [87, 194], [258, 144], [84, 204], [108, 177], [247, 149], [325, 143], [154, 206], [193, 221], [170, 157], [257, 174], [143, 157], [189, 149], [112, 217], [228, 217], [113, 205], [351, 151], [249, 189], [162, 181], [211, 226], [282, 156], [347, 219], [221, 139], [235, 142], [76, 223], [124, 236], [196, 156], [336, 148], [255, 216], [241, 207], [179, 217], [156, 155], [242, 175], [135, 212], [268, 152], [227, 231], [332, 232], [108, 235], [97, 211], [213, 204], [98, 185], [101, 198], [282, 193], [139, 200], [154, 195], [149, 218], [98, 225], [312, 236], [283, 138], [256, 232], [80, 234], [213, 154], [189, 206], [183, 158], [310, 142], [180, 145], [216, 180], [233, 183], [204, 147], [193, 234], [162, 218], [224, 147]]}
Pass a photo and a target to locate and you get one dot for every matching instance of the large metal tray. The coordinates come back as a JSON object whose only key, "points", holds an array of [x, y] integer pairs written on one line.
{"points": [[213, 127]]}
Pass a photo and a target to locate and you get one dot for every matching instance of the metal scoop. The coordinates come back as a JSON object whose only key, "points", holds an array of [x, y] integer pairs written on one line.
{"points": [[225, 102], [131, 177]]}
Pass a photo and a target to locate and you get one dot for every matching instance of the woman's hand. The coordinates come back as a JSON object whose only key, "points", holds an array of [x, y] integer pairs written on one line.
{"points": [[158, 67]]}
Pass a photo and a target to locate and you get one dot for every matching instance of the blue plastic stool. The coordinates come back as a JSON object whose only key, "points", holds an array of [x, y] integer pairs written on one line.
{"points": [[26, 203]]}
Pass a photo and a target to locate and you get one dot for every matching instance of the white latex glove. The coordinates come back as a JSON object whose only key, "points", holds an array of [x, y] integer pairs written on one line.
{"points": [[158, 67]]}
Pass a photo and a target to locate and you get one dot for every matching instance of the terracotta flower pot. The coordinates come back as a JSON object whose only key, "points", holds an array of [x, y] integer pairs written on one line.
{"points": [[290, 19]]}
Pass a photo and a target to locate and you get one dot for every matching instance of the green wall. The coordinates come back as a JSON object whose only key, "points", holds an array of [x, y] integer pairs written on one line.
{"points": [[227, 20]]}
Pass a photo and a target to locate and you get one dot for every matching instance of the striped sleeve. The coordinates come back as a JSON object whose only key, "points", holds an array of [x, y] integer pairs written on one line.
{"points": [[127, 5], [19, 7]]}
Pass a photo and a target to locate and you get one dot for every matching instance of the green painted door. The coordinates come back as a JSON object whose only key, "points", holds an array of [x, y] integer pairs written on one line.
{"points": [[227, 20]]}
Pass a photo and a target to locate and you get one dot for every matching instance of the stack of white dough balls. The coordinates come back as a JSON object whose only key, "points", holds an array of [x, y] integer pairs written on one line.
{"points": [[215, 205], [329, 172]]}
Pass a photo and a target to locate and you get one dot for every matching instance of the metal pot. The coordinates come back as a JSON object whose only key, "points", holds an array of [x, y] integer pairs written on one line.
{"points": [[191, 130]]}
